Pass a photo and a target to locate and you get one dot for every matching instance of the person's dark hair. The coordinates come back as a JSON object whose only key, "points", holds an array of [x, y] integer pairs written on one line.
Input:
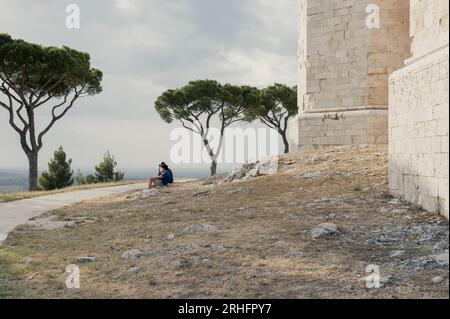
{"points": [[164, 165]]}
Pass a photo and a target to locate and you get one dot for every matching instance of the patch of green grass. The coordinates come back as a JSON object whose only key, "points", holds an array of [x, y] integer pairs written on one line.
{"points": [[10, 284]]}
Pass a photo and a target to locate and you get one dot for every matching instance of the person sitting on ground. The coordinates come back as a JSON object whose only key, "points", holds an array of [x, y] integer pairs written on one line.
{"points": [[163, 178], [169, 170]]}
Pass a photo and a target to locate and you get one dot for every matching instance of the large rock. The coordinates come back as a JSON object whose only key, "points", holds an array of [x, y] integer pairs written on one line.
{"points": [[324, 230], [251, 170]]}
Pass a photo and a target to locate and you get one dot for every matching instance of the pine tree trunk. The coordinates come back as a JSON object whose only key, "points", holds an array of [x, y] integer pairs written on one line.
{"points": [[33, 171], [286, 144], [213, 168]]}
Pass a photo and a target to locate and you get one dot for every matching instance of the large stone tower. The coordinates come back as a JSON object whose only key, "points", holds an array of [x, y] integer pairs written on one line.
{"points": [[364, 82], [347, 50]]}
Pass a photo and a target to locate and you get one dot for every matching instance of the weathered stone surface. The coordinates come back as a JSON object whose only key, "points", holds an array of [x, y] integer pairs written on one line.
{"points": [[438, 279], [201, 228], [247, 171], [397, 253], [442, 259], [85, 259], [132, 254], [134, 269], [418, 132], [354, 88], [324, 230], [419, 111], [343, 71], [182, 264]]}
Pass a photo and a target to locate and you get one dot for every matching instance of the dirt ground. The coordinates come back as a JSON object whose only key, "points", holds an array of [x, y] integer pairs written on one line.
{"points": [[255, 241]]}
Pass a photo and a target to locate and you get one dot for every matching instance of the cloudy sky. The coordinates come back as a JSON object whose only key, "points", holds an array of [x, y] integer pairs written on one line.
{"points": [[145, 47]]}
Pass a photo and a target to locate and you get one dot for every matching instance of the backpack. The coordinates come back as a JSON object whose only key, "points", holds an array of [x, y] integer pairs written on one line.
{"points": [[171, 177]]}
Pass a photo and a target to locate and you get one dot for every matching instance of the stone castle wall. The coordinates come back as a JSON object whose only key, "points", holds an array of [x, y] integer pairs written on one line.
{"points": [[419, 112], [354, 87], [343, 71]]}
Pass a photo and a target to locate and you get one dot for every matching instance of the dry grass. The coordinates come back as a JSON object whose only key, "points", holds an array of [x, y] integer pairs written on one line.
{"points": [[10, 197], [261, 223]]}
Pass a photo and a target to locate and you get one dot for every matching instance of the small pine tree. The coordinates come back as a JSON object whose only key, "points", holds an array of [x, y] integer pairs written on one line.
{"points": [[80, 179], [90, 179], [105, 171], [118, 176], [59, 174]]}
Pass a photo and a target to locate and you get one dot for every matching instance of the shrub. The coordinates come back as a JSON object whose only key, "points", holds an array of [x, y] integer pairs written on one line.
{"points": [[59, 174], [105, 171]]}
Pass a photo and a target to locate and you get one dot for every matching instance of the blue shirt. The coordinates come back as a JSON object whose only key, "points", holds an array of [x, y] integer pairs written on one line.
{"points": [[166, 177]]}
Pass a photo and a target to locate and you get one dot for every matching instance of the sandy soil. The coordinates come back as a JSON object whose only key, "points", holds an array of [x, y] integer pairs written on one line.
{"points": [[255, 241]]}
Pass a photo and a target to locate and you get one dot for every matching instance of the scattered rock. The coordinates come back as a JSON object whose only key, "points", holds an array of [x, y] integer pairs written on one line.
{"points": [[132, 254], [427, 262], [134, 269], [395, 201], [438, 279], [442, 259], [202, 228], [331, 217], [385, 281], [171, 237], [441, 246], [397, 253], [28, 262], [323, 230], [181, 264], [299, 254], [85, 259], [201, 193], [348, 288], [399, 211], [205, 262]]}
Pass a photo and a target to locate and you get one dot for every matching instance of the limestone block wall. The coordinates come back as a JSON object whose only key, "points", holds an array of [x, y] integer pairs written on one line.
{"points": [[418, 129], [419, 111], [344, 64], [343, 128], [344, 68], [429, 25]]}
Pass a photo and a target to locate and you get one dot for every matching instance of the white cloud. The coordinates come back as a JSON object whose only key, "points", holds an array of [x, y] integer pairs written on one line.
{"points": [[127, 5]]}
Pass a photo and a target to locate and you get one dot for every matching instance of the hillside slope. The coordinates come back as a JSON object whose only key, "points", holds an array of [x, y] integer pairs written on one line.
{"points": [[253, 239]]}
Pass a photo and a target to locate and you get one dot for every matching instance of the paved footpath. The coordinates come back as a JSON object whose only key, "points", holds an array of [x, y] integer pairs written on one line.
{"points": [[13, 214]]}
